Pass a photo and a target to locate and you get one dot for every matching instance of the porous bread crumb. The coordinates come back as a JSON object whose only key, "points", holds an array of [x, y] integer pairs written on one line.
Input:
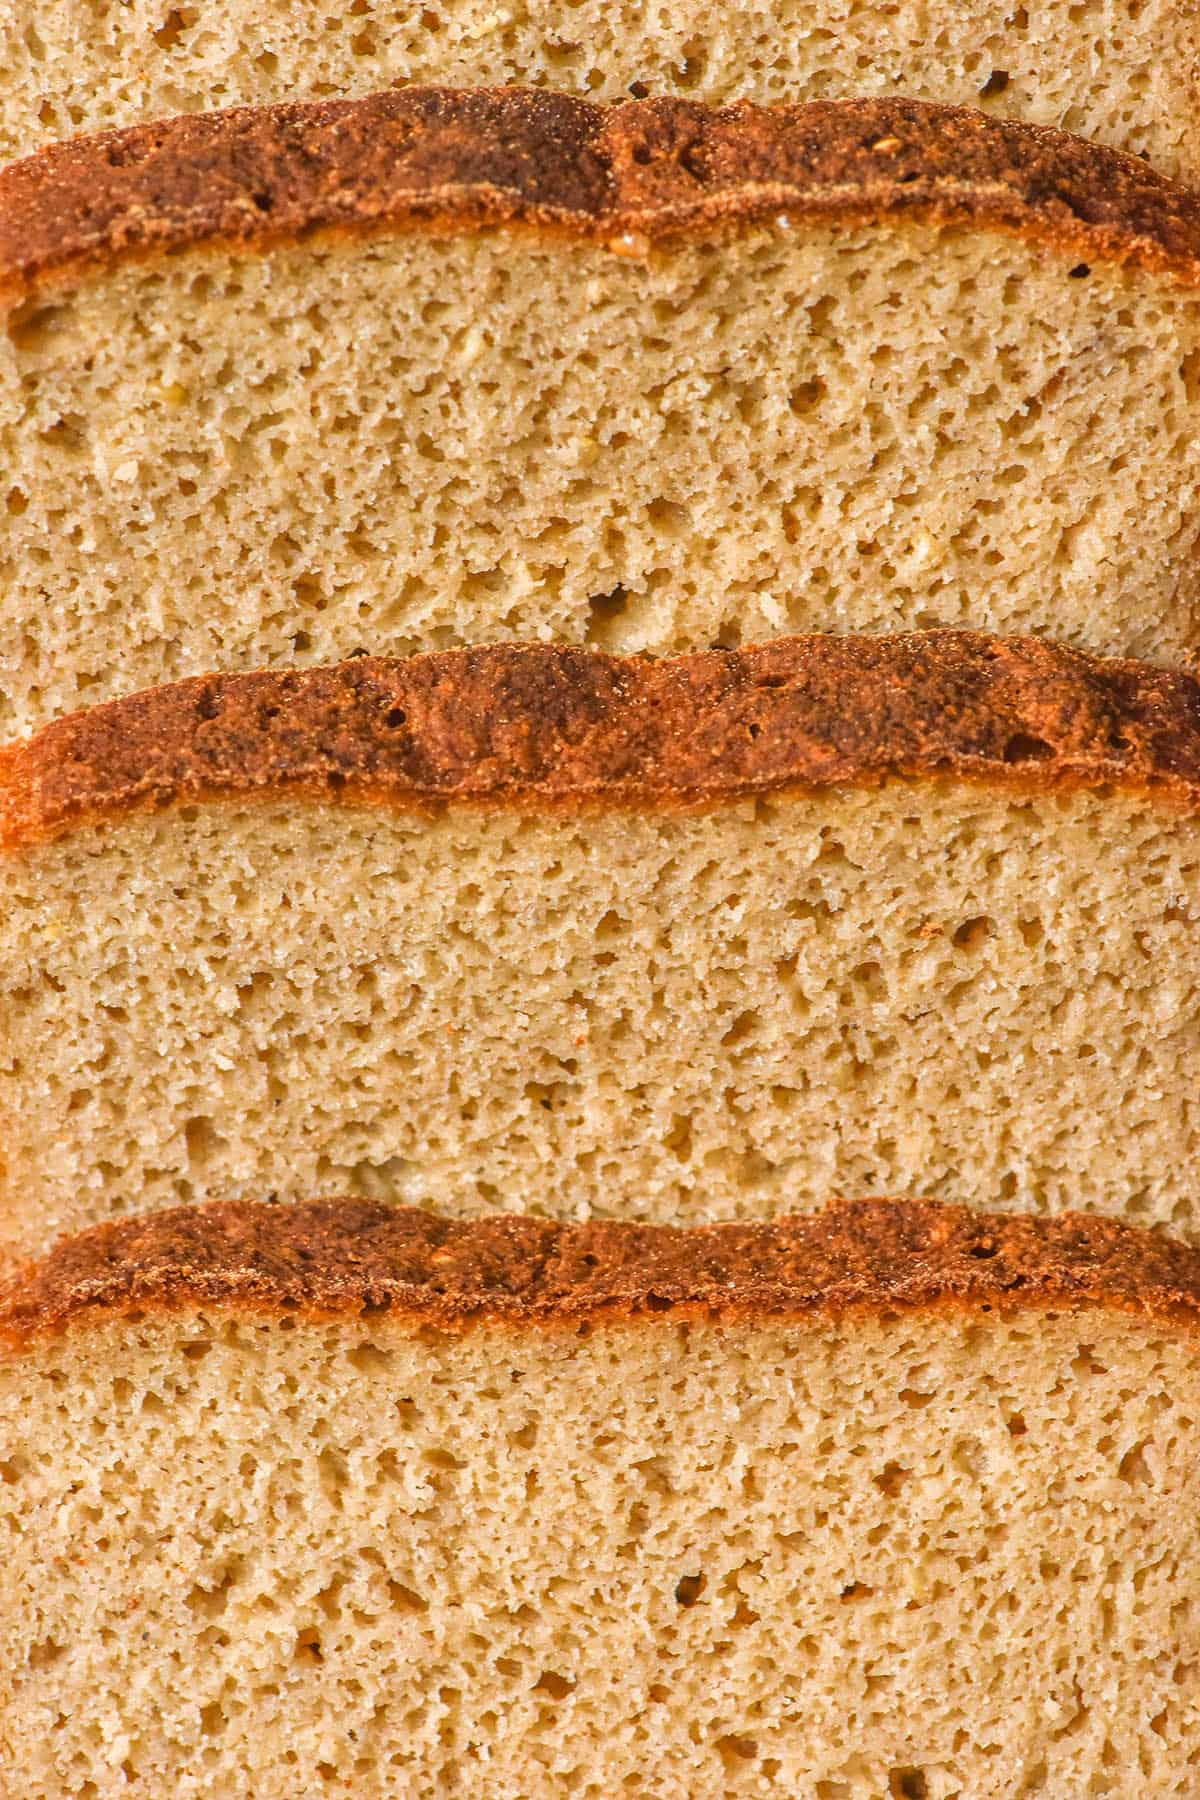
{"points": [[556, 931], [936, 1552], [657, 1015], [1110, 69], [225, 460]]}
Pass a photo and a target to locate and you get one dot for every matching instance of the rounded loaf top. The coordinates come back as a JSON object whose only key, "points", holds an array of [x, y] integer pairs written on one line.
{"points": [[546, 727], [629, 175]]}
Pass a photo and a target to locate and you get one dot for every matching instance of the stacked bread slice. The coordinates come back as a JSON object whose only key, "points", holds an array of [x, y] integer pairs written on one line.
{"points": [[702, 938], [897, 1501], [599, 837], [436, 368]]}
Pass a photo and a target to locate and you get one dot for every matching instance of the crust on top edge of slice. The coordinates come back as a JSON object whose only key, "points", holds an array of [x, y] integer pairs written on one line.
{"points": [[348, 1258], [544, 727], [628, 174]]}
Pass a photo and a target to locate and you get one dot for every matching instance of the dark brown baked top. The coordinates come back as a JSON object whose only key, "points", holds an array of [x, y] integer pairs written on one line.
{"points": [[352, 1257], [630, 175], [543, 727]]}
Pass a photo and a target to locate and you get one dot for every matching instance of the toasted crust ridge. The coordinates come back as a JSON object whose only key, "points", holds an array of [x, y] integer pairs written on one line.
{"points": [[629, 174], [350, 1258], [544, 727]]}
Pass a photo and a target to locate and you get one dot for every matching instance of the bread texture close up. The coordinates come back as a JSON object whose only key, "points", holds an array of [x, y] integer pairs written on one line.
{"points": [[896, 1501], [1114, 70], [555, 932], [436, 368]]}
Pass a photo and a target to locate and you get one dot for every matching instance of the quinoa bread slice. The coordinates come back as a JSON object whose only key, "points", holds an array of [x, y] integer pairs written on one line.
{"points": [[1125, 74], [895, 1500], [542, 929], [435, 368]]}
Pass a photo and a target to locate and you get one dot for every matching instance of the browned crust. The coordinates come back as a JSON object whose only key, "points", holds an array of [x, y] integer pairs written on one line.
{"points": [[631, 175], [542, 727], [349, 1258]]}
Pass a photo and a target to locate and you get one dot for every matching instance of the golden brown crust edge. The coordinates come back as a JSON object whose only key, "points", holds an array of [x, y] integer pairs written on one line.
{"points": [[355, 1259], [542, 727], [630, 175]]}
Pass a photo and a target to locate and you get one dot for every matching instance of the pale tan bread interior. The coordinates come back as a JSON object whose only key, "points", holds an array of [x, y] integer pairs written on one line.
{"points": [[923, 1558], [935, 989], [416, 442], [1115, 70]]}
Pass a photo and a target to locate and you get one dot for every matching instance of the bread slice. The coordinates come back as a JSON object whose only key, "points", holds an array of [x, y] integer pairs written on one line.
{"points": [[438, 368], [550, 931], [1125, 74], [898, 1501]]}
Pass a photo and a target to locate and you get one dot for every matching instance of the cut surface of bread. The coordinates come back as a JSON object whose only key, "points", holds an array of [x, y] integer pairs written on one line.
{"points": [[1114, 70], [896, 1501], [545, 930], [435, 368]]}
